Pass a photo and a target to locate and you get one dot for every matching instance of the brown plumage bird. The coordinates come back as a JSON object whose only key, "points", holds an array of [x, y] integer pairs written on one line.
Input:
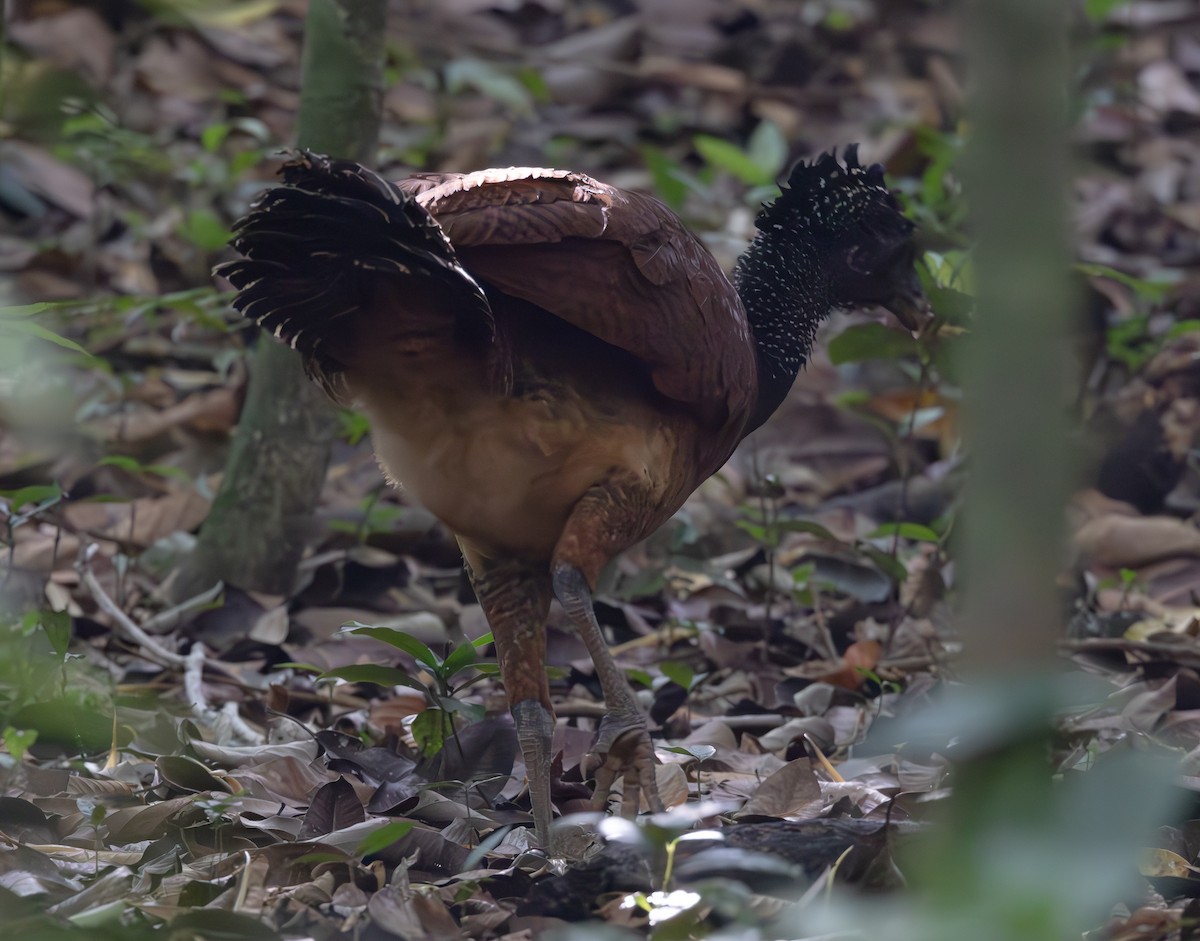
{"points": [[552, 365]]}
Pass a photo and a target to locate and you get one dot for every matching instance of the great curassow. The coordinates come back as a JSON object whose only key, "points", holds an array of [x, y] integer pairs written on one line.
{"points": [[552, 365]]}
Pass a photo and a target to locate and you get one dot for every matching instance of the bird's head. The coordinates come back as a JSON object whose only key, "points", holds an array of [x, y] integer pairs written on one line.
{"points": [[847, 213]]}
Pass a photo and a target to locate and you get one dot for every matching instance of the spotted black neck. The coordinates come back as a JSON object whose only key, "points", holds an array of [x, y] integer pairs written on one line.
{"points": [[787, 293], [835, 237]]}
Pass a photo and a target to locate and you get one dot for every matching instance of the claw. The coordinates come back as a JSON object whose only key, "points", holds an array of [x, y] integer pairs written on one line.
{"points": [[630, 756]]}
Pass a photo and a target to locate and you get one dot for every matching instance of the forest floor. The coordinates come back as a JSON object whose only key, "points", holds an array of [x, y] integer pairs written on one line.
{"points": [[208, 765]]}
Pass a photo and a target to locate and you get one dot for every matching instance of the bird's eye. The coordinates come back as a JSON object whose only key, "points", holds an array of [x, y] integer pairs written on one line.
{"points": [[861, 260]]}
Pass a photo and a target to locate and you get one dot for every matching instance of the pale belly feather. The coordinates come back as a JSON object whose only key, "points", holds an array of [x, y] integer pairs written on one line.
{"points": [[506, 472]]}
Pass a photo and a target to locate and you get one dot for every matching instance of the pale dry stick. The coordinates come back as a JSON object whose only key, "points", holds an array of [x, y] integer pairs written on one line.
{"points": [[665, 636], [316, 560], [150, 647], [192, 664], [170, 618], [823, 626]]}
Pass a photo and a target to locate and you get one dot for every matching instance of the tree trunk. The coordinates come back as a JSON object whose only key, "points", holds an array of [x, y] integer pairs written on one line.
{"points": [[262, 518]]}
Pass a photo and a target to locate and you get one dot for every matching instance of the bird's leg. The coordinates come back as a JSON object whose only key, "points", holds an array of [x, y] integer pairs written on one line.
{"points": [[515, 598], [605, 520]]}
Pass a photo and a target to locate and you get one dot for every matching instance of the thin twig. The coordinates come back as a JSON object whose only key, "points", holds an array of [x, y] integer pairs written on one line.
{"points": [[149, 646], [171, 617]]}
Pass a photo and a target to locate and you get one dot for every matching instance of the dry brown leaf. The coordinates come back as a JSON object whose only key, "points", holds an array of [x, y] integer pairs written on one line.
{"points": [[214, 411], [140, 522], [1129, 542], [56, 182], [1159, 862], [791, 791], [860, 657], [76, 38]]}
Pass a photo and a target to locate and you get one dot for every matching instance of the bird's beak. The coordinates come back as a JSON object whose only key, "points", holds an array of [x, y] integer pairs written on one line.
{"points": [[909, 304]]}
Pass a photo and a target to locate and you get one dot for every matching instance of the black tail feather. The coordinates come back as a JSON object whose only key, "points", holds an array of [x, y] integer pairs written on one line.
{"points": [[314, 247]]}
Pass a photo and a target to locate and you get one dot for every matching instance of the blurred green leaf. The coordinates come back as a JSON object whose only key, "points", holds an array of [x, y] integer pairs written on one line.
{"points": [[34, 493], [384, 837], [677, 672], [123, 461], [724, 155], [17, 741], [1099, 10], [914, 531], [354, 424], [768, 149], [1152, 291], [666, 175], [205, 230], [213, 136], [1183, 326], [892, 567], [57, 625], [15, 324], [491, 81], [871, 341]]}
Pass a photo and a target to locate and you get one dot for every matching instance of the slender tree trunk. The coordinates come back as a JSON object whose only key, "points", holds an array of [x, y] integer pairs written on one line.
{"points": [[1019, 363], [1005, 810], [262, 517]]}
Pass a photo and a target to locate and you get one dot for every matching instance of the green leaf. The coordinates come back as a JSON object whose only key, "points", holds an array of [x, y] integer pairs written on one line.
{"points": [[17, 741], [123, 461], [24, 310], [755, 531], [679, 673], [34, 493], [699, 752], [430, 728], [666, 176], [807, 526], [205, 230], [1098, 10], [723, 155], [641, 677], [460, 658], [914, 531], [400, 640], [372, 673], [354, 424], [953, 269], [892, 567], [213, 136], [802, 573], [57, 625], [166, 470], [471, 711], [870, 341], [1152, 291], [1183, 326], [384, 837], [767, 148], [533, 80], [490, 81], [36, 330]]}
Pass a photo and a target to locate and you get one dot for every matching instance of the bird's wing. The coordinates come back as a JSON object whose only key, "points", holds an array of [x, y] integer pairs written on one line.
{"points": [[619, 265]]}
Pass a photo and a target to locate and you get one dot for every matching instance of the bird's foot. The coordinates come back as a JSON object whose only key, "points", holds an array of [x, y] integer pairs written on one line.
{"points": [[623, 750]]}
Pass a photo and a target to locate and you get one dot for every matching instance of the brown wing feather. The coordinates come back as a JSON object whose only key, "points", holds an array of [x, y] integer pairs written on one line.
{"points": [[619, 265]]}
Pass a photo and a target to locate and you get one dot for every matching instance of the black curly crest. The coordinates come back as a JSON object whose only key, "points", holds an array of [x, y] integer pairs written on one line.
{"points": [[836, 236], [827, 195]]}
